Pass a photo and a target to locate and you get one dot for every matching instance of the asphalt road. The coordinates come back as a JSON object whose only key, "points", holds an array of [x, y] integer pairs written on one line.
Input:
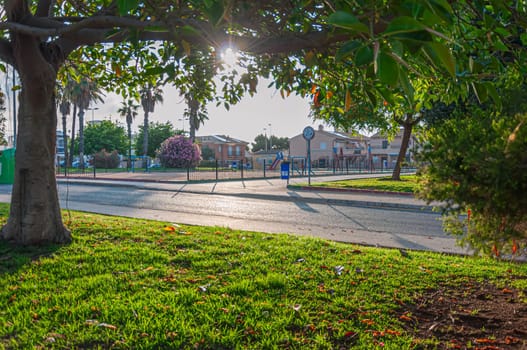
{"points": [[371, 226]]}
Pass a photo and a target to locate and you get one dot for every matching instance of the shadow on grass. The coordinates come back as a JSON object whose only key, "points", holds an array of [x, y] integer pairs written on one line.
{"points": [[13, 257]]}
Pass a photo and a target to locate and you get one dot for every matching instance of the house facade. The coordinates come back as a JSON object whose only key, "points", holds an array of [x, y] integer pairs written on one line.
{"points": [[225, 148], [384, 151], [328, 147]]}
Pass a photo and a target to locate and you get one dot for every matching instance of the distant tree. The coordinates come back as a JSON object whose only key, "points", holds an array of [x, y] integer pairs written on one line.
{"points": [[104, 159], [150, 96], [83, 93], [179, 152], [279, 143], [128, 110], [157, 133], [262, 143], [105, 135], [207, 153]]}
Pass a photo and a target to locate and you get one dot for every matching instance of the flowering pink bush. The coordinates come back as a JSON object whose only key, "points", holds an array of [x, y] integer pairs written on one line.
{"points": [[178, 152]]}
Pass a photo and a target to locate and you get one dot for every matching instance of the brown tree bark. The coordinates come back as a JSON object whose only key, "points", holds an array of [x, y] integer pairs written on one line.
{"points": [[407, 133], [35, 216]]}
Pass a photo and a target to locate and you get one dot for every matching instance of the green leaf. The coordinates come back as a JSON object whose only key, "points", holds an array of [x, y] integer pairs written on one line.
{"points": [[364, 56], [215, 12], [404, 24], [387, 69], [386, 94], [442, 57], [407, 87], [442, 9], [371, 97], [347, 21], [397, 48], [480, 91], [125, 6], [493, 92], [347, 49], [158, 70]]}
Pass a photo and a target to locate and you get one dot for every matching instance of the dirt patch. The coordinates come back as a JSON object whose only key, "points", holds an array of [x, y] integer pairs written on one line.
{"points": [[470, 316]]}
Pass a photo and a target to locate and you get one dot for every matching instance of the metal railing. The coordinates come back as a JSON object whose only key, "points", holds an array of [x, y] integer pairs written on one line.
{"points": [[223, 170]]}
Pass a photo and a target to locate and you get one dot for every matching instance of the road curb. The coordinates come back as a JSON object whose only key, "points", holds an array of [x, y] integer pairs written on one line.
{"points": [[348, 190]]}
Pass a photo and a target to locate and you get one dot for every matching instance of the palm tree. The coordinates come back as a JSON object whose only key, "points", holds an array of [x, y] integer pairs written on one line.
{"points": [[129, 111], [195, 114], [65, 109], [83, 93], [150, 95]]}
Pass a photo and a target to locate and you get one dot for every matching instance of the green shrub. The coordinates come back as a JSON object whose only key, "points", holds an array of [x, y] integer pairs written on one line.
{"points": [[476, 164], [103, 159]]}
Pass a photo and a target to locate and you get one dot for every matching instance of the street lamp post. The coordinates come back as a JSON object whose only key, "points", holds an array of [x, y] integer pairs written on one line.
{"points": [[92, 109], [182, 120], [270, 138], [265, 138]]}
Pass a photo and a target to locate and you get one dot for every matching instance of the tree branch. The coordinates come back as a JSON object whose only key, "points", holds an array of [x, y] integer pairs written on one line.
{"points": [[44, 8]]}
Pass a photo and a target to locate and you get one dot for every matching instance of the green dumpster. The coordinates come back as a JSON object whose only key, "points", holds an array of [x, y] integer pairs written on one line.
{"points": [[7, 166]]}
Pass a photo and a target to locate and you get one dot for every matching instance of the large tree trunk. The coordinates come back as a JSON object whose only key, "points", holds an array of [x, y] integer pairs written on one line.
{"points": [[35, 216], [145, 136], [407, 133]]}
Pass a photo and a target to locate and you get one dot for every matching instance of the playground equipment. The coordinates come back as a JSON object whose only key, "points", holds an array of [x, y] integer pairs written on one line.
{"points": [[279, 157]]}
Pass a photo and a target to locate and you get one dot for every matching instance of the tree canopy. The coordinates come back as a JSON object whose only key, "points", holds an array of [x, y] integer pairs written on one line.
{"points": [[105, 135], [265, 143], [157, 133]]}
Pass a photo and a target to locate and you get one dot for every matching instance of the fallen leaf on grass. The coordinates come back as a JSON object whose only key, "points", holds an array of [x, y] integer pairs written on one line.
{"points": [[170, 229], [368, 321], [107, 325], [405, 318], [507, 291], [350, 334], [392, 332], [511, 340]]}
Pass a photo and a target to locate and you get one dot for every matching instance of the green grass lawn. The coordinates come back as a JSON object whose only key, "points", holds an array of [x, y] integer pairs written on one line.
{"points": [[135, 284], [408, 183]]}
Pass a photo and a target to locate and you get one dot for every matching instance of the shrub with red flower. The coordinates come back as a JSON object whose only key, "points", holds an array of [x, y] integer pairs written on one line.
{"points": [[178, 152]]}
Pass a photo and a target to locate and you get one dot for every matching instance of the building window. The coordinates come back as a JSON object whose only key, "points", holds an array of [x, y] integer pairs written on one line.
{"points": [[229, 151], [384, 144], [219, 149], [323, 146], [238, 151]]}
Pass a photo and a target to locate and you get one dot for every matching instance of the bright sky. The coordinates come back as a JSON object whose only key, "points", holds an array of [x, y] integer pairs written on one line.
{"points": [[245, 120]]}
